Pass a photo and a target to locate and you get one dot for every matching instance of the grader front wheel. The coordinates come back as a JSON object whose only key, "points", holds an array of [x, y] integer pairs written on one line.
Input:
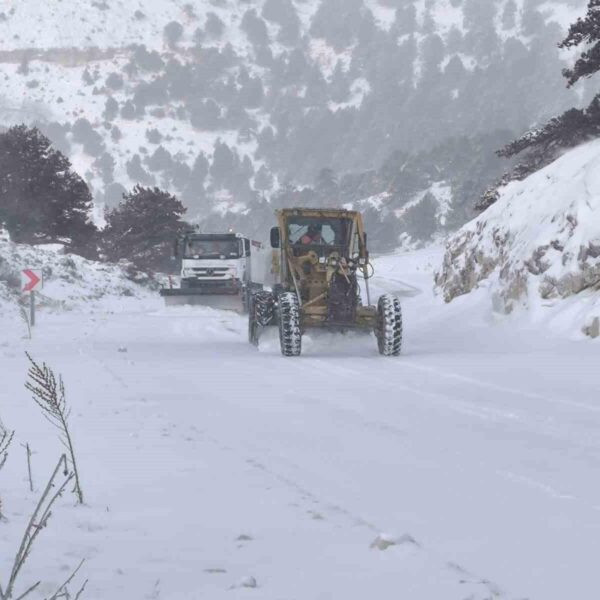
{"points": [[252, 322], [290, 332], [389, 326]]}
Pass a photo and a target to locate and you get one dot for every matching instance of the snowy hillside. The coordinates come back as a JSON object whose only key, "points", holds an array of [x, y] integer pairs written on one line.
{"points": [[224, 102], [538, 246], [70, 282]]}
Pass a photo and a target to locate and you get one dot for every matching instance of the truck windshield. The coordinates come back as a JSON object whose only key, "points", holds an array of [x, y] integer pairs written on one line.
{"points": [[213, 248], [315, 231]]}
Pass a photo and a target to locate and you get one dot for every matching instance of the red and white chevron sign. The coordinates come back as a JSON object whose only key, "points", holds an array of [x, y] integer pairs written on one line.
{"points": [[31, 279]]}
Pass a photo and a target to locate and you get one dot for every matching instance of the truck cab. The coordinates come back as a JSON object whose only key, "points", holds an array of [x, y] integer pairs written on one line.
{"points": [[215, 263], [218, 270]]}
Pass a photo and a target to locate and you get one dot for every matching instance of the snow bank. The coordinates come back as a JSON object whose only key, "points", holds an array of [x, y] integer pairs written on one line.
{"points": [[538, 246], [70, 282]]}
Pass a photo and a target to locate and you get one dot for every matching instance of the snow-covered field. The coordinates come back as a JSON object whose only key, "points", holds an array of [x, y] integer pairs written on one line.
{"points": [[210, 468]]}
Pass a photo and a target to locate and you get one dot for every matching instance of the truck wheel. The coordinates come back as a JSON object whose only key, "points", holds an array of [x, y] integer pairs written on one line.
{"points": [[389, 326], [290, 332]]}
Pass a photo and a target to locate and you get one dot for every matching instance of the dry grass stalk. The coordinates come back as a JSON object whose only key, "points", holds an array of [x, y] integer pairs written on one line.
{"points": [[63, 590], [6, 438], [29, 473], [25, 318], [49, 394], [38, 521]]}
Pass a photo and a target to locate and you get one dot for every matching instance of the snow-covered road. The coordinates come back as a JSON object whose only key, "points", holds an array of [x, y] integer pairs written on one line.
{"points": [[206, 463]]}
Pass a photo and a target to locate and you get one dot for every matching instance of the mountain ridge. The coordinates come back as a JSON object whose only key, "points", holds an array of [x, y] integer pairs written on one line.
{"points": [[226, 103]]}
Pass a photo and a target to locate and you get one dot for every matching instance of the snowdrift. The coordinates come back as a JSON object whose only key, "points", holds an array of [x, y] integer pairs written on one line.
{"points": [[70, 281], [538, 246]]}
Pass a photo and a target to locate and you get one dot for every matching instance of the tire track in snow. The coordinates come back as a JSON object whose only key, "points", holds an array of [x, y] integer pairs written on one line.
{"points": [[498, 388], [396, 286], [514, 418], [491, 589], [464, 409]]}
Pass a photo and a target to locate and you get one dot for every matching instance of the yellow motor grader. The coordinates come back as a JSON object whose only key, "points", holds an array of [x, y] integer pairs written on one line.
{"points": [[320, 260]]}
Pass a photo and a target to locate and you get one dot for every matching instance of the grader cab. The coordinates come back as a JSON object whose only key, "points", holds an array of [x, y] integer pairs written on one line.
{"points": [[322, 266]]}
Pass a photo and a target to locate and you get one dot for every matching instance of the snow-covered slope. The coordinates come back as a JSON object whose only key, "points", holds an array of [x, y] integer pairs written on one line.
{"points": [[70, 282], [538, 246]]}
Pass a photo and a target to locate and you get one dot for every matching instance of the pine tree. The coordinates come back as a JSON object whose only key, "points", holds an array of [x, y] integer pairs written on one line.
{"points": [[420, 220], [509, 15], [284, 13], [225, 164], [199, 171], [532, 21], [338, 22], [263, 181], [585, 31], [205, 115], [179, 174], [160, 160], [142, 228], [565, 131], [481, 37], [406, 19], [105, 165], [432, 54], [251, 94], [41, 198], [173, 32], [478, 15], [111, 109], [136, 171], [327, 187], [194, 192], [339, 85], [255, 28], [214, 27], [428, 26], [543, 145]]}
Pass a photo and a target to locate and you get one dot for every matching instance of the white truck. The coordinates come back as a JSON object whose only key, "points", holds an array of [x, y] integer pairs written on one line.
{"points": [[219, 270]]}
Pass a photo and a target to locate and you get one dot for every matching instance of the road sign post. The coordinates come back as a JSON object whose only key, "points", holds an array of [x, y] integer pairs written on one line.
{"points": [[31, 280]]}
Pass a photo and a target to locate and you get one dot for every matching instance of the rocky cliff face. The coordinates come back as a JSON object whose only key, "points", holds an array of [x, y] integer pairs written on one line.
{"points": [[539, 244]]}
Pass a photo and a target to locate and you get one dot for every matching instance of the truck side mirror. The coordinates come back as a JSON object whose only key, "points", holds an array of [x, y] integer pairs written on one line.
{"points": [[247, 251], [176, 249], [275, 237]]}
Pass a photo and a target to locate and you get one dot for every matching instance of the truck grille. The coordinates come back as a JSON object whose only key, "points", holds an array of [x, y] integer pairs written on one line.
{"points": [[213, 272]]}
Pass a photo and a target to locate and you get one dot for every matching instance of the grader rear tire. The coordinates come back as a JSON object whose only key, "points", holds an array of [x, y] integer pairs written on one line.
{"points": [[261, 308], [252, 322], [389, 326], [290, 330]]}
